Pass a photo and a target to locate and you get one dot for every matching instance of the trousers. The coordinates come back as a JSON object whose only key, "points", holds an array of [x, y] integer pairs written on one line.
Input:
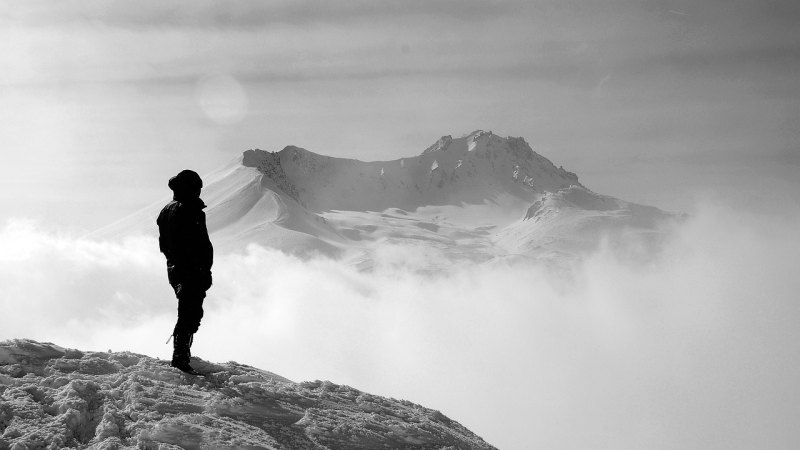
{"points": [[190, 288]]}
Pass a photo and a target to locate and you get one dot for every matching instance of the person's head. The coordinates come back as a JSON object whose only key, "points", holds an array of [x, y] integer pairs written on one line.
{"points": [[186, 184]]}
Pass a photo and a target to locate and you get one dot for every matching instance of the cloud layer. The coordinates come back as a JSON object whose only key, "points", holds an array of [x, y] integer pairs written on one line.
{"points": [[695, 348]]}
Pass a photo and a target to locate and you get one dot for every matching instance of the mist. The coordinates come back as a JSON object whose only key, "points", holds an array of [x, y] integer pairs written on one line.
{"points": [[696, 346]]}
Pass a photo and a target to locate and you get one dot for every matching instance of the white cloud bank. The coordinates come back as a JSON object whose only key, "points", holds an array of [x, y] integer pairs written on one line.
{"points": [[699, 347]]}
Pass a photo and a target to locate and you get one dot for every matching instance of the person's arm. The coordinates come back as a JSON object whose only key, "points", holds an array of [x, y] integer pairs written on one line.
{"points": [[206, 253], [165, 234]]}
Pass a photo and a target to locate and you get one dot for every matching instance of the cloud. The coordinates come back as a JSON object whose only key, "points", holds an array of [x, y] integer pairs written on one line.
{"points": [[253, 14], [696, 347]]}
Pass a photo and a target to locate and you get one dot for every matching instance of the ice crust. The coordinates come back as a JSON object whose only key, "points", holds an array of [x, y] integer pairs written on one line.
{"points": [[52, 397]]}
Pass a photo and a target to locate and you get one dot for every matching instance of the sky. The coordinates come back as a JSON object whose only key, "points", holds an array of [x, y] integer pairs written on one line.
{"points": [[653, 101], [685, 105]]}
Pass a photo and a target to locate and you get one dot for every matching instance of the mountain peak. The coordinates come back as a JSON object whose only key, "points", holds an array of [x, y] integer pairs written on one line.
{"points": [[477, 134], [439, 145], [471, 169], [54, 397]]}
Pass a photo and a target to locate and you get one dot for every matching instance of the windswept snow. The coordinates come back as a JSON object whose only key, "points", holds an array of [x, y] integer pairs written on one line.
{"points": [[52, 397]]}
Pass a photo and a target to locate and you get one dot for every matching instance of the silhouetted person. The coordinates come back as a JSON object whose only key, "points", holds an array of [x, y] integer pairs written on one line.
{"points": [[183, 238]]}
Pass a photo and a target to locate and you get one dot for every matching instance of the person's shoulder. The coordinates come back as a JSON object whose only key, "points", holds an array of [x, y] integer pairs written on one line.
{"points": [[185, 211], [171, 206], [168, 209]]}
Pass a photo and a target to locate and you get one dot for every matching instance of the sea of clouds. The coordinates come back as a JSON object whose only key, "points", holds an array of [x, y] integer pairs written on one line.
{"points": [[696, 346]]}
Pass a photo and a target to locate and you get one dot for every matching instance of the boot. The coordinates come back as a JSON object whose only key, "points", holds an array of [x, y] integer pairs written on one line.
{"points": [[181, 353]]}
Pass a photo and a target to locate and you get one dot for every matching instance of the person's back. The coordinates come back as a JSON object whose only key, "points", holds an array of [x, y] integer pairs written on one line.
{"points": [[183, 238]]}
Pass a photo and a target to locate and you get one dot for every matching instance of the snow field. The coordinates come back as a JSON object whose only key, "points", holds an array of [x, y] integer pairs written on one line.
{"points": [[52, 397]]}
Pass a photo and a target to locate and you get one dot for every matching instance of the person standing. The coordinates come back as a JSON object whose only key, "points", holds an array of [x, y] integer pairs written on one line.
{"points": [[183, 239]]}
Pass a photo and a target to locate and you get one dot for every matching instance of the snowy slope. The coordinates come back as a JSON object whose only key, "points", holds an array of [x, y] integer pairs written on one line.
{"points": [[474, 198], [51, 397], [575, 220]]}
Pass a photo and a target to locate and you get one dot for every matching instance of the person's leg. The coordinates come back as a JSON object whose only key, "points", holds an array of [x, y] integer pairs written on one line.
{"points": [[181, 355], [190, 312]]}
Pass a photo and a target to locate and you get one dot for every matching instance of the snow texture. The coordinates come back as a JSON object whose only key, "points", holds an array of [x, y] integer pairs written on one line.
{"points": [[52, 397]]}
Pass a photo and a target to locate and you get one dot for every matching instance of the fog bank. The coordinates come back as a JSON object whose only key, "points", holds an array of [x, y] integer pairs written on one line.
{"points": [[696, 347]]}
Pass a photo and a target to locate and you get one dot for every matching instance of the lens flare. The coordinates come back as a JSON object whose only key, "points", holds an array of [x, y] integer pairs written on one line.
{"points": [[222, 99]]}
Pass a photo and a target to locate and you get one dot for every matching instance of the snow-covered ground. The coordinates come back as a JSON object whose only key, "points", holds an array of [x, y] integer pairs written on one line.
{"points": [[51, 397]]}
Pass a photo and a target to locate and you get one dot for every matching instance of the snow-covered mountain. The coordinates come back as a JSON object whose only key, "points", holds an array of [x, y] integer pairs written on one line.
{"points": [[479, 197], [52, 397]]}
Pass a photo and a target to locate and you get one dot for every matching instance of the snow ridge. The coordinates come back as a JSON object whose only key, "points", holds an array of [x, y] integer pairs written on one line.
{"points": [[471, 169], [269, 164], [51, 397]]}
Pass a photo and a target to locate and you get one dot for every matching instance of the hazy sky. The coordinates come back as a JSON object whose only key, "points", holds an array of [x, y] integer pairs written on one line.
{"points": [[652, 101]]}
